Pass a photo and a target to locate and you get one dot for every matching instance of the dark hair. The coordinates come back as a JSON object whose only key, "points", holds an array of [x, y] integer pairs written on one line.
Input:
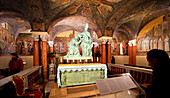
{"points": [[162, 57], [14, 54]]}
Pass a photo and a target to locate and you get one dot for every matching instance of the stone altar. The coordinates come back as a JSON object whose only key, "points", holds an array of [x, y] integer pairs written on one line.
{"points": [[79, 74]]}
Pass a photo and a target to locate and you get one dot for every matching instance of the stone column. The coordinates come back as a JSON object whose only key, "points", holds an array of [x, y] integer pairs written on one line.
{"points": [[94, 58], [36, 50], [109, 51], [94, 51], [44, 52], [132, 52], [51, 50], [100, 50], [104, 51]]}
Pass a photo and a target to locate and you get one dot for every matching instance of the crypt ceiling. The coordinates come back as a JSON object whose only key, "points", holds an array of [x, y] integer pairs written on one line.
{"points": [[105, 17]]}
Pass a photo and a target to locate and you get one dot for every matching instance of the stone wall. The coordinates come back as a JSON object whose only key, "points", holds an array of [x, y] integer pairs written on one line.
{"points": [[4, 61], [140, 60]]}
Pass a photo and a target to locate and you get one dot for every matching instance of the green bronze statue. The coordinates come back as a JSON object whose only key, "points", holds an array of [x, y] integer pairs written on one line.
{"points": [[84, 40]]}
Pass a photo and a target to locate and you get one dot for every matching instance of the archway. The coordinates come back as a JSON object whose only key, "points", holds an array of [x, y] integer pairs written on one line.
{"points": [[12, 24]]}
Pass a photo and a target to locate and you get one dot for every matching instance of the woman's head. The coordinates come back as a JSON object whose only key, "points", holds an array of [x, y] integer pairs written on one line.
{"points": [[157, 57], [14, 56]]}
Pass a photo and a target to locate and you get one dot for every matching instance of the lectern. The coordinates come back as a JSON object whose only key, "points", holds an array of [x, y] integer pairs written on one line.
{"points": [[119, 86]]}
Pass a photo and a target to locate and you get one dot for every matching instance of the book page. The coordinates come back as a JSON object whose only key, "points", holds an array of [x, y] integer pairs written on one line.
{"points": [[114, 87], [122, 83], [103, 87], [116, 84], [129, 82]]}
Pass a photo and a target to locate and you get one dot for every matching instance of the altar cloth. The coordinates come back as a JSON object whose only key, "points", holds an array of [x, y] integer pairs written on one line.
{"points": [[79, 74]]}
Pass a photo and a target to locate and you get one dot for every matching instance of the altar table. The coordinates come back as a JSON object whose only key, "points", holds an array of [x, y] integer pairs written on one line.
{"points": [[79, 74]]}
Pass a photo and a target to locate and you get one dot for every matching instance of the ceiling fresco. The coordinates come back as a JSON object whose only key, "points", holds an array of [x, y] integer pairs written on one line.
{"points": [[96, 11], [105, 17]]}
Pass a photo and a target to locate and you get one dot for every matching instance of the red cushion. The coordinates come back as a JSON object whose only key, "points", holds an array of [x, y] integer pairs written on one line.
{"points": [[19, 86], [37, 94]]}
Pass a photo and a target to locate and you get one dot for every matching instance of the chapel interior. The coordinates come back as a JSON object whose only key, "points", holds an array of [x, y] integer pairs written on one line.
{"points": [[43, 34]]}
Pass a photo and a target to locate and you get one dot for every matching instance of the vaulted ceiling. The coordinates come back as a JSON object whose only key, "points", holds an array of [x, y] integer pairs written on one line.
{"points": [[106, 17]]}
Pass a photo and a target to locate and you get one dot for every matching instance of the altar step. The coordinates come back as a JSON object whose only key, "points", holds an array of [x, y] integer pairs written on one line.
{"points": [[48, 88], [78, 89], [73, 92]]}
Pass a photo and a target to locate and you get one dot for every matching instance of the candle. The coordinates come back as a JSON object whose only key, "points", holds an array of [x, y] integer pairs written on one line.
{"points": [[86, 59], [92, 59], [97, 59], [61, 59], [67, 60], [80, 59], [73, 59]]}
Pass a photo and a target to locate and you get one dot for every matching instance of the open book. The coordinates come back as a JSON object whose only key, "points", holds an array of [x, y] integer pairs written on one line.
{"points": [[116, 84]]}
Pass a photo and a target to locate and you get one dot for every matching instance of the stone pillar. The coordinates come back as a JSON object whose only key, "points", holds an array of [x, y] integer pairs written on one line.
{"points": [[132, 52], [95, 51], [51, 45], [94, 58], [36, 50], [44, 52], [104, 52], [109, 51], [106, 49], [51, 50], [100, 50]]}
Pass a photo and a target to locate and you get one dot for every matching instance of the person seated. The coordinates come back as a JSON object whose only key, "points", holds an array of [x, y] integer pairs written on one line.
{"points": [[15, 64]]}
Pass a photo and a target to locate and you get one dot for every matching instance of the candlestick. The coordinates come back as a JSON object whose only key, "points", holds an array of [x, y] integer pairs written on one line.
{"points": [[61, 59], [86, 59]]}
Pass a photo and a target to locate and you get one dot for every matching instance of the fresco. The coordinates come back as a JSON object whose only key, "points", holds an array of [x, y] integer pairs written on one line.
{"points": [[156, 38], [120, 48], [97, 11], [24, 44], [38, 23], [6, 39]]}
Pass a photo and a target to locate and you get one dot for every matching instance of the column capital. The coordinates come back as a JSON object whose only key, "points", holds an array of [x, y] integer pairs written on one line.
{"points": [[105, 39], [35, 37], [109, 41], [44, 37], [50, 43], [132, 42], [95, 44]]}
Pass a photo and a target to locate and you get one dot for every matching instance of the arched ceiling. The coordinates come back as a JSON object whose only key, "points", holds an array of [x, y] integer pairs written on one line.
{"points": [[97, 11], [135, 19], [75, 23], [16, 20], [127, 16]]}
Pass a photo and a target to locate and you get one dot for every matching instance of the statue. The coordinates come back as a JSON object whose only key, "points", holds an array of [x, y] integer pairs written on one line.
{"points": [[84, 40], [73, 47], [86, 43]]}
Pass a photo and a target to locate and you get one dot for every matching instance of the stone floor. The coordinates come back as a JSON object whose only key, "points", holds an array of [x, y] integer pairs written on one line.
{"points": [[85, 91]]}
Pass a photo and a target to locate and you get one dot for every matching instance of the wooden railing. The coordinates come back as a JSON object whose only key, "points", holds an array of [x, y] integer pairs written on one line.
{"points": [[141, 75], [7, 89], [31, 76]]}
